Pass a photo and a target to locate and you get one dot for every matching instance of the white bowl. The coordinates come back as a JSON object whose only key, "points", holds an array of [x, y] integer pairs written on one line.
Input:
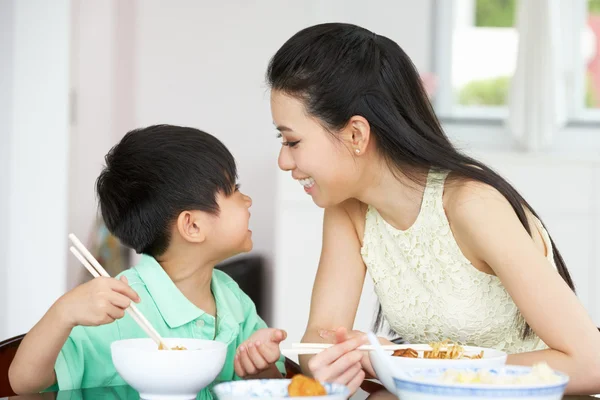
{"points": [[417, 385], [272, 389], [168, 374], [491, 359]]}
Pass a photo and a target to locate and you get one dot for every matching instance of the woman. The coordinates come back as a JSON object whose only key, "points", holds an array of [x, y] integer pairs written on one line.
{"points": [[453, 250]]}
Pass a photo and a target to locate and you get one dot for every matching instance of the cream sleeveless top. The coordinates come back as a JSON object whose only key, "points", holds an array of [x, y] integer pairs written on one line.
{"points": [[429, 291]]}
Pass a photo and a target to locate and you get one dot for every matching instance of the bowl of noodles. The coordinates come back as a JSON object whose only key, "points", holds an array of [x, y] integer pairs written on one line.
{"points": [[443, 354], [179, 372]]}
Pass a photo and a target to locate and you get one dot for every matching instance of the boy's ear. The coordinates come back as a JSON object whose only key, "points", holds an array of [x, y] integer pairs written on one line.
{"points": [[192, 226]]}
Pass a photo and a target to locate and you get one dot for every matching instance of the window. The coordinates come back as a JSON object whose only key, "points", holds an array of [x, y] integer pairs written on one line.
{"points": [[476, 61], [476, 49], [589, 64]]}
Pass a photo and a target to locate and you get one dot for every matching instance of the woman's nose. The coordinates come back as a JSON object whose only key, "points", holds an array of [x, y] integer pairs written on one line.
{"points": [[285, 160]]}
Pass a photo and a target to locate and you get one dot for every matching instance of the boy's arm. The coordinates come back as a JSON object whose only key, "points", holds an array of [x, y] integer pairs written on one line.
{"points": [[259, 357], [97, 302], [32, 369], [255, 332]]}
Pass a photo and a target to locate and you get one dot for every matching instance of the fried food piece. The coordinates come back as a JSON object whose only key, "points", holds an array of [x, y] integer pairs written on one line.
{"points": [[302, 386], [408, 353]]}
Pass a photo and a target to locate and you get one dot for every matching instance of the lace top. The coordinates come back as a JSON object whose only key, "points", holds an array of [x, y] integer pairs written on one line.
{"points": [[430, 291]]}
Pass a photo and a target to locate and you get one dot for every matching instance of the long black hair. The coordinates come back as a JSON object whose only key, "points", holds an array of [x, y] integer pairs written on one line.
{"points": [[340, 70]]}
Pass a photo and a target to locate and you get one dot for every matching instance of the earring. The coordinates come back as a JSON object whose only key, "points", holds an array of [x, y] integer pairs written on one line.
{"points": [[357, 151]]}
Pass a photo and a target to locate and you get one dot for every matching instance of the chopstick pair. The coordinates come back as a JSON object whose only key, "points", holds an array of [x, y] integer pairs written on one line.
{"points": [[315, 348], [94, 268]]}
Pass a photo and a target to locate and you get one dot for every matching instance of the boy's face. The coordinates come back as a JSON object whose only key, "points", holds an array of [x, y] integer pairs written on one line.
{"points": [[230, 234]]}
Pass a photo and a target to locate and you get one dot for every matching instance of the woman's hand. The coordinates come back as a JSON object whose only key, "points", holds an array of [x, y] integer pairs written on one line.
{"points": [[341, 363], [333, 337]]}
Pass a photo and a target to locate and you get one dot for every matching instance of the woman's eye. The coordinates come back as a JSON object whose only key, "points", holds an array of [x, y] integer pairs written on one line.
{"points": [[291, 144]]}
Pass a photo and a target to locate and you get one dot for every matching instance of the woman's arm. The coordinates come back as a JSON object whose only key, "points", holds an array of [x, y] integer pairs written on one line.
{"points": [[336, 294], [489, 231]]}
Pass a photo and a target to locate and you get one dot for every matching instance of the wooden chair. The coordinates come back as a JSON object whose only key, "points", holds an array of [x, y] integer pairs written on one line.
{"points": [[8, 349]]}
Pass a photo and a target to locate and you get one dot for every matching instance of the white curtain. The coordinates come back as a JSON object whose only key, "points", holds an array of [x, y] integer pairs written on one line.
{"points": [[538, 92]]}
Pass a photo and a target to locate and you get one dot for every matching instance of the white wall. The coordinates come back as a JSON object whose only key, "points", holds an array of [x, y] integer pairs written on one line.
{"points": [[6, 94], [37, 171], [102, 84]]}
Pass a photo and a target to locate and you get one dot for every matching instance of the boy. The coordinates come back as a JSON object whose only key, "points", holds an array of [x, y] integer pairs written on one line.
{"points": [[169, 193]]}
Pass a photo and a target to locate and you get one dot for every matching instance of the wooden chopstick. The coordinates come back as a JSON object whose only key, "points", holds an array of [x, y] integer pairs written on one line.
{"points": [[321, 346], [94, 268], [305, 351], [315, 348]]}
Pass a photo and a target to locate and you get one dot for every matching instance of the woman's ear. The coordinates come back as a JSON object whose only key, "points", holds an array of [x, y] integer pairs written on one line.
{"points": [[356, 135]]}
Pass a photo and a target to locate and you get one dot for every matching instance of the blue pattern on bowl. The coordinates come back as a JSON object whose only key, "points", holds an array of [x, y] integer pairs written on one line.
{"points": [[419, 381]]}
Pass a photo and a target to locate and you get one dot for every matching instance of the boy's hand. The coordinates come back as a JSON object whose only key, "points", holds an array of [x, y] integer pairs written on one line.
{"points": [[259, 352], [97, 302]]}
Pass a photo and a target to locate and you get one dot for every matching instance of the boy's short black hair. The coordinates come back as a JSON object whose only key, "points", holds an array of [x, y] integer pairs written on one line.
{"points": [[155, 173]]}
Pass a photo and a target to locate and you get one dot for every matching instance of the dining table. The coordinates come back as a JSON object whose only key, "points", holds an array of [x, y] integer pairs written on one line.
{"points": [[128, 393]]}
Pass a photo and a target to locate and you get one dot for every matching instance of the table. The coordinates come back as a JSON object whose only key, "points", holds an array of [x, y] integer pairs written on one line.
{"points": [[127, 393]]}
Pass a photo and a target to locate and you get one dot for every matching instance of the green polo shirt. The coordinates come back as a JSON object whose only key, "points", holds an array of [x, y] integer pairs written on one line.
{"points": [[85, 359]]}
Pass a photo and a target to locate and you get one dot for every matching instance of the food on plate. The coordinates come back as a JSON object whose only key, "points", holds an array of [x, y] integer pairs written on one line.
{"points": [[540, 374], [439, 350], [302, 386], [408, 353], [161, 347]]}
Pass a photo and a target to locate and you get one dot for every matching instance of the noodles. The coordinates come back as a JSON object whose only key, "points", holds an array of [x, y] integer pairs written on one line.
{"points": [[439, 350], [161, 347]]}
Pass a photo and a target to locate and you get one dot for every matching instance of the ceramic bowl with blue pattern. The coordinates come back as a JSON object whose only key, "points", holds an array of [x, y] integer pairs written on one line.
{"points": [[422, 384], [272, 389]]}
